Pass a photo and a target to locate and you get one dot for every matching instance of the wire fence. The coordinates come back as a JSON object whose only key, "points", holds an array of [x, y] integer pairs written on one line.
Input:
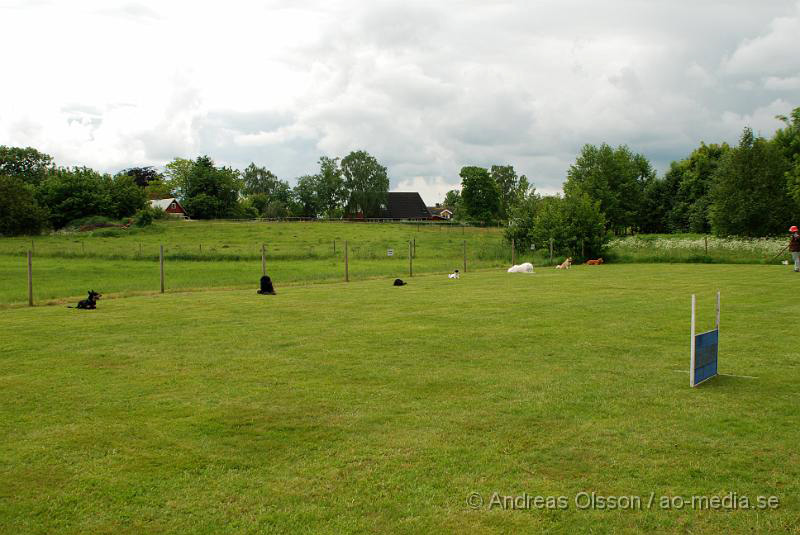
{"points": [[54, 271]]}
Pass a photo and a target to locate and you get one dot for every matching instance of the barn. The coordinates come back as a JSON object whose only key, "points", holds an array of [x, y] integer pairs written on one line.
{"points": [[406, 205], [170, 206]]}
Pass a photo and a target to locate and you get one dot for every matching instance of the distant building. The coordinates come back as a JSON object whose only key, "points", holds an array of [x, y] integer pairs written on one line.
{"points": [[170, 206], [439, 212], [406, 205]]}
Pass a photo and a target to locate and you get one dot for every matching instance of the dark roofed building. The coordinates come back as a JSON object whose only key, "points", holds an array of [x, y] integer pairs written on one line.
{"points": [[406, 205]]}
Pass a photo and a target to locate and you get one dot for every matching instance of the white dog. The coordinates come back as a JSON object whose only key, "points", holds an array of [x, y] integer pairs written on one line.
{"points": [[527, 267], [566, 264], [454, 275]]}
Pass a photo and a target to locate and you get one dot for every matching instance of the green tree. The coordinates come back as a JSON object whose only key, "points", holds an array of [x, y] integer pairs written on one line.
{"points": [[788, 140], [330, 184], [689, 186], [210, 192], [27, 164], [510, 187], [177, 174], [748, 193], [75, 193], [306, 199], [143, 176], [521, 221], [479, 196], [615, 177], [19, 211], [127, 197], [365, 184]]}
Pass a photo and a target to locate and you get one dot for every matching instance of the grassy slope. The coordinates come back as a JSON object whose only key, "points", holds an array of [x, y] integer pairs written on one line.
{"points": [[367, 408]]}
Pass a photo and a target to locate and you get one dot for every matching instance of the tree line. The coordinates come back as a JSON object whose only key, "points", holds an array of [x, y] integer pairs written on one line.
{"points": [[750, 189], [35, 194]]}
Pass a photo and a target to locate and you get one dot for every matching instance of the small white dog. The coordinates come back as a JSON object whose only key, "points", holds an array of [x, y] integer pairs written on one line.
{"points": [[527, 267], [454, 275], [566, 264]]}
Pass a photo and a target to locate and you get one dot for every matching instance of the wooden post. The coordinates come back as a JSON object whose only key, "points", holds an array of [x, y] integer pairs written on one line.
{"points": [[583, 254], [201, 248], [30, 278], [161, 262], [410, 260], [334, 247], [465, 256], [551, 251], [263, 260], [140, 249], [706, 240], [346, 263], [513, 253]]}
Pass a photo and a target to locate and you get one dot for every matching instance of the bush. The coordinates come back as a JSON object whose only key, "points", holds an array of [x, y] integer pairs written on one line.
{"points": [[146, 216], [19, 211]]}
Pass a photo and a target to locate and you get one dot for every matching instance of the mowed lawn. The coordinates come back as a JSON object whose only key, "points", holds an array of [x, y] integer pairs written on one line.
{"points": [[361, 407]]}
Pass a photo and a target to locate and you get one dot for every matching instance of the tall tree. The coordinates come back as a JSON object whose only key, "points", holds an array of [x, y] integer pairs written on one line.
{"points": [[749, 196], [71, 194], [210, 192], [27, 164], [479, 195], [366, 184], [689, 187], [615, 177], [788, 140], [305, 195], [127, 197], [510, 187], [143, 176], [19, 211], [330, 187]]}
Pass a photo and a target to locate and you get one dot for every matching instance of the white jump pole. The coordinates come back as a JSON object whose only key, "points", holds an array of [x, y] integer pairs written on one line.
{"points": [[691, 365]]}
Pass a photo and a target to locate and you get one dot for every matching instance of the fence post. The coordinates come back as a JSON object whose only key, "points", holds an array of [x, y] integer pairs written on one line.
{"points": [[583, 254], [346, 263], [263, 261], [410, 260], [551, 251], [161, 262], [706, 240], [334, 247], [513, 253], [30, 278], [465, 256]]}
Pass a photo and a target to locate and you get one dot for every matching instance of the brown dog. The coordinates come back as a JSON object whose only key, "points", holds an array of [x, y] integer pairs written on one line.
{"points": [[594, 262]]}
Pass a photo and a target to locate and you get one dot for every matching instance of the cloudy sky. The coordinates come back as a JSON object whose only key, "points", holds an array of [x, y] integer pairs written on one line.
{"points": [[426, 87]]}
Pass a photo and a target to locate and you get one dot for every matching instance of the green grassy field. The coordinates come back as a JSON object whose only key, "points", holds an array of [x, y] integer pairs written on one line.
{"points": [[351, 408], [219, 254]]}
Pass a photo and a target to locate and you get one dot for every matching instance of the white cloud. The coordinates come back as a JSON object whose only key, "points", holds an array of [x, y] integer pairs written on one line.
{"points": [[425, 87]]}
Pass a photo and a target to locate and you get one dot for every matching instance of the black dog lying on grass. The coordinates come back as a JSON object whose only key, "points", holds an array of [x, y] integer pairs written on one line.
{"points": [[266, 286], [399, 282], [90, 303]]}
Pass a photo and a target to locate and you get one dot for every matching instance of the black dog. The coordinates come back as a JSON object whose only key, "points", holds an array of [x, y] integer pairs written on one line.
{"points": [[266, 286], [90, 303], [399, 282]]}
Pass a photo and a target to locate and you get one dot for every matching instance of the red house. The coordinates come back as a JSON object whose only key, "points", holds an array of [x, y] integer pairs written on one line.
{"points": [[170, 206]]}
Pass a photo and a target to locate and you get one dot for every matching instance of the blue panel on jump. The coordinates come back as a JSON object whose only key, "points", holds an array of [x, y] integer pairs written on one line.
{"points": [[705, 355]]}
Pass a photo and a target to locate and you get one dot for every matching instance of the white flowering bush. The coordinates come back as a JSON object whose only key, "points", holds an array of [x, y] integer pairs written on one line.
{"points": [[697, 244]]}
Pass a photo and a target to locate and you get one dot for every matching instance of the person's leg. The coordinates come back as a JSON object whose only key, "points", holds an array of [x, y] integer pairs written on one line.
{"points": [[796, 258]]}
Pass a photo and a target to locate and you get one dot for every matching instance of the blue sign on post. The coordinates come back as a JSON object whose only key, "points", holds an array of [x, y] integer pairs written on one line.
{"points": [[705, 351]]}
